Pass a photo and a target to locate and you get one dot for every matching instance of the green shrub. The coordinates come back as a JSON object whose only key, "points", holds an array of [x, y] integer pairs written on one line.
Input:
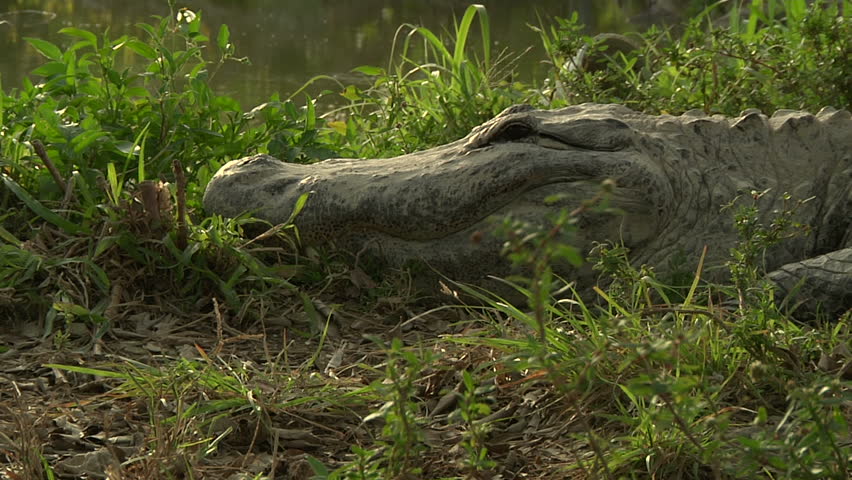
{"points": [[115, 117], [783, 55]]}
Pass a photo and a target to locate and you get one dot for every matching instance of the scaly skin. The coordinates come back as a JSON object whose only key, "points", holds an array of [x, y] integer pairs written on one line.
{"points": [[672, 174]]}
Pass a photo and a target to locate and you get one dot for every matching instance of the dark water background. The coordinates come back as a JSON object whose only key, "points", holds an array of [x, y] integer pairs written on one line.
{"points": [[290, 41]]}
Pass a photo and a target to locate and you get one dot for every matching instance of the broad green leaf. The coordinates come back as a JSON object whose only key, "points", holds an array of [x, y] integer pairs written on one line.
{"points": [[127, 148], [70, 59], [318, 467], [223, 38], [338, 126], [351, 93], [142, 49], [114, 77], [369, 70], [77, 46], [198, 37], [569, 253], [82, 141], [50, 69], [80, 33], [148, 29], [137, 92], [46, 48], [118, 42], [226, 103]]}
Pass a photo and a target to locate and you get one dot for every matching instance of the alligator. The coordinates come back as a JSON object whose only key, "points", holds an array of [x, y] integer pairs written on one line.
{"points": [[672, 175]]}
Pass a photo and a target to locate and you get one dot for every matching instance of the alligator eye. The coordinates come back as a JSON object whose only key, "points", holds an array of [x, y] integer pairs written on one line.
{"points": [[512, 131], [502, 129], [603, 135]]}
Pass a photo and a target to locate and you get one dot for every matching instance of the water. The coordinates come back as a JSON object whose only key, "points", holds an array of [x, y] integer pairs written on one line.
{"points": [[290, 41]]}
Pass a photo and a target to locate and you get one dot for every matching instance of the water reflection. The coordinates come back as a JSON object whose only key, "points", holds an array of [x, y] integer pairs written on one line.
{"points": [[289, 41]]}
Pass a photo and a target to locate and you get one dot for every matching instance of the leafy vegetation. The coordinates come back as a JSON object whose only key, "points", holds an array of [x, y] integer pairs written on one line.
{"points": [[766, 55], [231, 354]]}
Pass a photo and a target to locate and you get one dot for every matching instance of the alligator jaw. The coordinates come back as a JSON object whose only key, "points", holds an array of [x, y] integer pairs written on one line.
{"points": [[413, 197]]}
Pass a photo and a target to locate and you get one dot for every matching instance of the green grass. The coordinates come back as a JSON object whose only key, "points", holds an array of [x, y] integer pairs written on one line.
{"points": [[431, 91], [780, 54], [261, 359]]}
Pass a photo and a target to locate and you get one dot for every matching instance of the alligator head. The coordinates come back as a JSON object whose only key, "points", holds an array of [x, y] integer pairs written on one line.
{"points": [[671, 173]]}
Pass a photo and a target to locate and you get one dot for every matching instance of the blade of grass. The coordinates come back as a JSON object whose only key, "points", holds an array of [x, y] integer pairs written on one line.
{"points": [[88, 371], [42, 211], [464, 30], [696, 279]]}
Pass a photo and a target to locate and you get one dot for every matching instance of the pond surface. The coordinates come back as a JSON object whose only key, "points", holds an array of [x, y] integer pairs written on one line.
{"points": [[290, 41]]}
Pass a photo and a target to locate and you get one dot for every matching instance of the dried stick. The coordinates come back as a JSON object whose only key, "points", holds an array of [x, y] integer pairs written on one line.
{"points": [[180, 179], [42, 153]]}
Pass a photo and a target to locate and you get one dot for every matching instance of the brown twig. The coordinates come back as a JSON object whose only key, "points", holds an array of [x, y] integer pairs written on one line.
{"points": [[54, 172], [180, 179]]}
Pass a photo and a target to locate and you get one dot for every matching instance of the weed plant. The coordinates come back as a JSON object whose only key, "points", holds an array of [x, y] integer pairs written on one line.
{"points": [[768, 55], [432, 91], [112, 132], [103, 163]]}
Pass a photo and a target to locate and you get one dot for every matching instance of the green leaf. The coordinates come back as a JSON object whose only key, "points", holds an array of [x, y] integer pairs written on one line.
{"points": [[198, 37], [140, 142], [71, 309], [50, 69], [7, 236], [464, 29], [86, 370], [369, 70], [223, 38], [318, 467], [142, 49], [77, 46], [118, 42], [750, 443], [86, 192], [86, 35], [570, 254], [351, 93], [310, 114], [104, 244], [300, 204], [46, 48], [70, 58], [114, 77], [114, 185], [42, 211], [137, 92], [127, 148], [148, 29], [82, 141]]}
